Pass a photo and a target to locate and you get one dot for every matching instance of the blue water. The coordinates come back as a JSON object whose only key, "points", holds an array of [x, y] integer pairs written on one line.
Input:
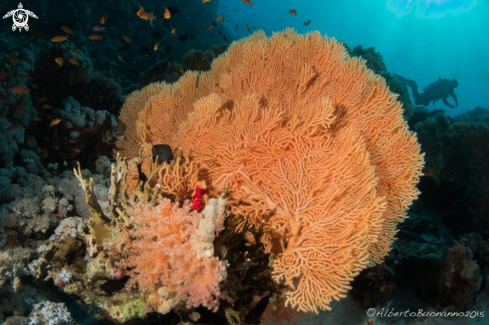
{"points": [[419, 39]]}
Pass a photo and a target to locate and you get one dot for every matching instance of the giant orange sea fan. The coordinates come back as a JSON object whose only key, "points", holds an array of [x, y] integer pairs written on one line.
{"points": [[309, 140]]}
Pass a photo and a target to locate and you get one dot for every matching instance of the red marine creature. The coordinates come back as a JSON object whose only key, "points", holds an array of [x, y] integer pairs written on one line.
{"points": [[197, 204]]}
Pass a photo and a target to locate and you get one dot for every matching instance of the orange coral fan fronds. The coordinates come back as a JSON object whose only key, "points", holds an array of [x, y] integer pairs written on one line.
{"points": [[317, 187], [134, 104], [152, 115], [307, 139]]}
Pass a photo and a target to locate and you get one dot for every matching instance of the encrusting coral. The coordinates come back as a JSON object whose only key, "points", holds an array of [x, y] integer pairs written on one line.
{"points": [[307, 139]]}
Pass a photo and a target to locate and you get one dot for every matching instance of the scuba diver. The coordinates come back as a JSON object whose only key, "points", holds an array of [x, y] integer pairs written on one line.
{"points": [[440, 89]]}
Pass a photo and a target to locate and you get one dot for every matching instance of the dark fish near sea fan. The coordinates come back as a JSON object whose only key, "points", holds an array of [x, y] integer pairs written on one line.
{"points": [[163, 152]]}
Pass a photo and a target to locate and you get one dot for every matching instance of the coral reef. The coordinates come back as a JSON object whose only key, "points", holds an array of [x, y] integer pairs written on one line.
{"points": [[225, 119], [455, 152], [452, 281], [82, 133], [81, 81], [18, 156], [38, 138], [476, 115], [43, 225], [446, 272], [129, 236], [459, 278]]}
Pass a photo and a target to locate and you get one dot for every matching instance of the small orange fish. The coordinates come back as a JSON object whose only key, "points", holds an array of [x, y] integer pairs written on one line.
{"points": [[95, 37], [220, 17], [173, 31], [13, 127], [73, 60], [307, 22], [208, 28], [76, 51], [54, 122], [293, 12], [206, 1], [181, 71], [46, 138], [102, 19], [126, 38], [72, 141], [145, 15], [427, 171], [19, 111], [19, 90], [55, 146], [148, 16], [248, 28], [47, 106], [57, 39], [167, 14], [31, 141], [248, 2], [370, 322], [156, 46], [121, 59], [36, 119], [34, 86], [77, 150], [43, 99], [59, 60], [66, 29]]}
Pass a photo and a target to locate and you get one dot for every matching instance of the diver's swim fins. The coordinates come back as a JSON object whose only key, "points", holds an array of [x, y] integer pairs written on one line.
{"points": [[411, 83]]}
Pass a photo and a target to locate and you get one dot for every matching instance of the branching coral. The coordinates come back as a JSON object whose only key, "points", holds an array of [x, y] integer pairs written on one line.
{"points": [[307, 139]]}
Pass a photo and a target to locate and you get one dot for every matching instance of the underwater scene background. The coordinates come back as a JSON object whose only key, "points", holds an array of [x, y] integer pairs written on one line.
{"points": [[244, 162]]}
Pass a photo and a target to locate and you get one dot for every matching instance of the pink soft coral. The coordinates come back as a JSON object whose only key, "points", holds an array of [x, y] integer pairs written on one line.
{"points": [[160, 254]]}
